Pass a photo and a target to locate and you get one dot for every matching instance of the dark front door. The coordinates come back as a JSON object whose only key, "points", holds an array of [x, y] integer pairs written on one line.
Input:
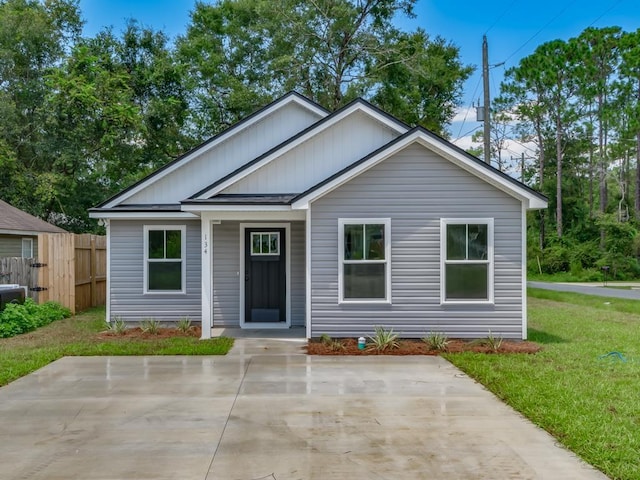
{"points": [[264, 277]]}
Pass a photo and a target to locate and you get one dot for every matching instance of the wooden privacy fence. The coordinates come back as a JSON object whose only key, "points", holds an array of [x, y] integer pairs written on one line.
{"points": [[20, 271], [73, 269]]}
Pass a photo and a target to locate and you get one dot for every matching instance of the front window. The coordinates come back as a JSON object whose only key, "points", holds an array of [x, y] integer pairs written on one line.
{"points": [[164, 258], [364, 259], [467, 252]]}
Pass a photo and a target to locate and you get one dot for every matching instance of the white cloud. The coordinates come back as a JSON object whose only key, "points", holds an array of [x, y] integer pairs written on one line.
{"points": [[464, 114]]}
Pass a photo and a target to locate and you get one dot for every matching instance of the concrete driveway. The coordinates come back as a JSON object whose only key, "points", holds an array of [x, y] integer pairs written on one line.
{"points": [[267, 412]]}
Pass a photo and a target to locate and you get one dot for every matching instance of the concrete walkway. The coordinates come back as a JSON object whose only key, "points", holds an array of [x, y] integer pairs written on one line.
{"points": [[593, 288], [265, 411]]}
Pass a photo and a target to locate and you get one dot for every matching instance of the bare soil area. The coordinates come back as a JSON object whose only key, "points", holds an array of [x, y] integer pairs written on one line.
{"points": [[162, 332], [349, 346]]}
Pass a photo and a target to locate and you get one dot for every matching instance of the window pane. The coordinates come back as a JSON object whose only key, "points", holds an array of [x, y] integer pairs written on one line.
{"points": [[478, 242], [364, 280], [156, 243], [165, 276], [275, 243], [467, 282], [456, 242], [374, 242], [353, 242], [174, 243], [264, 240], [255, 243]]}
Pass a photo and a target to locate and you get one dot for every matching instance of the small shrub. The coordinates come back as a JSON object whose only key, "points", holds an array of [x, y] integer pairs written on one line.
{"points": [[334, 345], [184, 324], [21, 318], [149, 325], [494, 343], [117, 325], [383, 339], [436, 341]]}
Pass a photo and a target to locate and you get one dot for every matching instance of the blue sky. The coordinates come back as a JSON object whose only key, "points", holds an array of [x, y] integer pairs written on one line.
{"points": [[513, 27]]}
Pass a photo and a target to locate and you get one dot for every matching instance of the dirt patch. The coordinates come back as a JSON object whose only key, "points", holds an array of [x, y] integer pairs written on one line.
{"points": [[418, 347], [137, 333]]}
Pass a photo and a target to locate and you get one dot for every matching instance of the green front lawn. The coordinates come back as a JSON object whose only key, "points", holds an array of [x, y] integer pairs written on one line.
{"points": [[78, 335], [584, 397]]}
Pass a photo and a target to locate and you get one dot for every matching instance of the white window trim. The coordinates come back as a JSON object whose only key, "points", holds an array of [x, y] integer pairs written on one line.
{"points": [[443, 259], [269, 253], [387, 255], [183, 259], [30, 243]]}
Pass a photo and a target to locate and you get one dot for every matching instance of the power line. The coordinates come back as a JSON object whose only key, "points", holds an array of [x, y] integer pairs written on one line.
{"points": [[504, 12], [541, 30], [615, 4], [470, 107], [467, 133]]}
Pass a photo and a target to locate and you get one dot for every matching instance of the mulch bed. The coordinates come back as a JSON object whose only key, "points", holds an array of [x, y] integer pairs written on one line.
{"points": [[137, 333], [418, 347]]}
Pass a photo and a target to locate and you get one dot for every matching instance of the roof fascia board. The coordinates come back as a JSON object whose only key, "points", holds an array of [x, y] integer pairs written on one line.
{"points": [[6, 231], [531, 201], [242, 125], [321, 126], [115, 215], [200, 207]]}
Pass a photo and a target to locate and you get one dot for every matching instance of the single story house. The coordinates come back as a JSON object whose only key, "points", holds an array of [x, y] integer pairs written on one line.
{"points": [[332, 221], [19, 232]]}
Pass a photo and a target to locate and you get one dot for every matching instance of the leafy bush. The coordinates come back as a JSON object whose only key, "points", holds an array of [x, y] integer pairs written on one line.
{"points": [[437, 341], [117, 325], [383, 339], [16, 319], [150, 325], [184, 324]]}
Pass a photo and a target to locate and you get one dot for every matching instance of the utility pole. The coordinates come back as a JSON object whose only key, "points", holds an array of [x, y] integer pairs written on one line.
{"points": [[487, 101]]}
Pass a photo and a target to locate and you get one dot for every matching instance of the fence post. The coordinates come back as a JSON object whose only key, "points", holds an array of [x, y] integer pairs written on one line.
{"points": [[92, 272]]}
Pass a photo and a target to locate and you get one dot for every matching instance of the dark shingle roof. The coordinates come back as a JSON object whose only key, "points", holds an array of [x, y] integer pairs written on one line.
{"points": [[12, 218]]}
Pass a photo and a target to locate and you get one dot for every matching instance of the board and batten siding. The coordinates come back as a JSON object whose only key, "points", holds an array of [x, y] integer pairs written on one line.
{"points": [[226, 157], [318, 158], [127, 271], [415, 189], [226, 273]]}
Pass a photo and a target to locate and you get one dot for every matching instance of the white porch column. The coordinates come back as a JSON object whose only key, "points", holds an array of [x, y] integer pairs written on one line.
{"points": [[207, 245]]}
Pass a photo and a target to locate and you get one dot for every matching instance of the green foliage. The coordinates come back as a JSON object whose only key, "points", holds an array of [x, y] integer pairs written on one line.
{"points": [[333, 344], [117, 325], [437, 341], [383, 339], [494, 343], [589, 404], [184, 324], [21, 318], [150, 325], [79, 335]]}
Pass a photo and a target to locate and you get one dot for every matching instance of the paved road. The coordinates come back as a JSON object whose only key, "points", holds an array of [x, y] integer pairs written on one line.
{"points": [[587, 289]]}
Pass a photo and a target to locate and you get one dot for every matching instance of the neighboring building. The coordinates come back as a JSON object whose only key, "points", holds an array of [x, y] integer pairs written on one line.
{"points": [[336, 222], [19, 232]]}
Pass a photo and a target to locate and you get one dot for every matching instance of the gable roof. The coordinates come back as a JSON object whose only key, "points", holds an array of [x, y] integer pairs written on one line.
{"points": [[437, 144], [212, 142], [357, 105], [15, 221]]}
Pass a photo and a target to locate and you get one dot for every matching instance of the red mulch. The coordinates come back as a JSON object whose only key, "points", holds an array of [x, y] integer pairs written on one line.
{"points": [[418, 347], [136, 333]]}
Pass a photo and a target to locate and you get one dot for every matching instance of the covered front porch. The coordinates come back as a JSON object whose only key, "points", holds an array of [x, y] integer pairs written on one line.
{"points": [[253, 269]]}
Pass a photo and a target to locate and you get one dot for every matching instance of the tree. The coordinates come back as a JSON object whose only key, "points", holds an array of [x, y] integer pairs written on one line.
{"points": [[240, 53], [34, 38]]}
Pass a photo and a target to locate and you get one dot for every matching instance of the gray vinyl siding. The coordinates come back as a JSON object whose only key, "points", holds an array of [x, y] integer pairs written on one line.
{"points": [[415, 189], [127, 272], [226, 279], [11, 245]]}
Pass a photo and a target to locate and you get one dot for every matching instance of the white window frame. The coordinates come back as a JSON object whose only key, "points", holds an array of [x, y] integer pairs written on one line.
{"points": [[387, 258], [29, 242], [269, 253], [444, 262], [183, 258]]}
